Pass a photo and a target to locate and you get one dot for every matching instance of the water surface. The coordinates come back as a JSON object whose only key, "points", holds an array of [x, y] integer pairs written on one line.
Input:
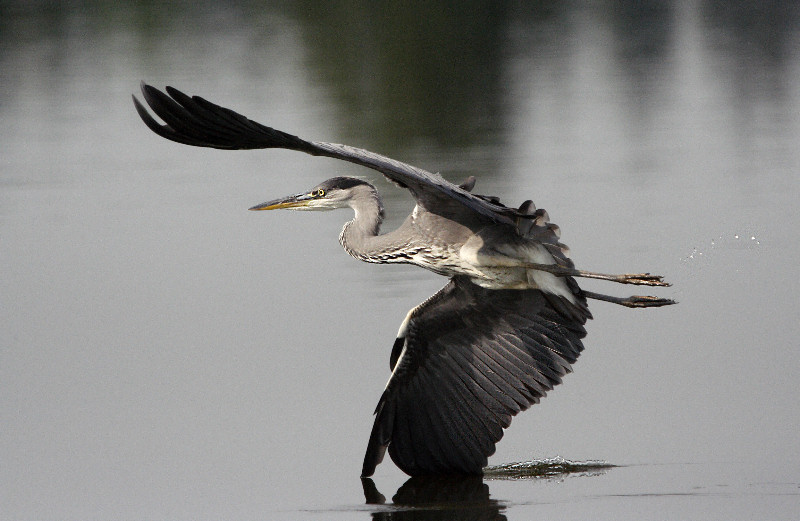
{"points": [[165, 354]]}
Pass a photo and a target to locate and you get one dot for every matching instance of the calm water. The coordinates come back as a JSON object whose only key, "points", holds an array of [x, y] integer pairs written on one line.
{"points": [[165, 354]]}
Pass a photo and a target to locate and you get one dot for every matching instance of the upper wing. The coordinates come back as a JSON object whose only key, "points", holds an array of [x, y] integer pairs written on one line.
{"points": [[198, 122], [469, 359]]}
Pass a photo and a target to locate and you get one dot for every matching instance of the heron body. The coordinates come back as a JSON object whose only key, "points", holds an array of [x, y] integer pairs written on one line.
{"points": [[501, 333], [493, 255]]}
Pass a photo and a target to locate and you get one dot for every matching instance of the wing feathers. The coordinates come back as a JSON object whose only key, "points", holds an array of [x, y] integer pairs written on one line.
{"points": [[463, 433], [473, 359], [491, 413], [199, 122], [455, 433], [379, 437], [477, 371]]}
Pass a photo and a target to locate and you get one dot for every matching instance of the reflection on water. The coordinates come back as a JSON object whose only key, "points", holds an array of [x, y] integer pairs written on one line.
{"points": [[468, 497], [416, 73], [436, 498], [421, 75], [427, 80]]}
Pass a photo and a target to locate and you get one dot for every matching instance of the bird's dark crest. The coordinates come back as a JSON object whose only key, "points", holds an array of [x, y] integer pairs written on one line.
{"points": [[342, 183]]}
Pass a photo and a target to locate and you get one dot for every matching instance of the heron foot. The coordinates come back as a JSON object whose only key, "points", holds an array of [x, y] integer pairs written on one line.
{"points": [[641, 279], [634, 301], [646, 301]]}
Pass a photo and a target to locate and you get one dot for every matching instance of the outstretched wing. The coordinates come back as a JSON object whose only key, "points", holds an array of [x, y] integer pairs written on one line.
{"points": [[198, 122], [467, 360]]}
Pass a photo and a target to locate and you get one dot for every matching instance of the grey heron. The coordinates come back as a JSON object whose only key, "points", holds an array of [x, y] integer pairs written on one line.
{"points": [[501, 333]]}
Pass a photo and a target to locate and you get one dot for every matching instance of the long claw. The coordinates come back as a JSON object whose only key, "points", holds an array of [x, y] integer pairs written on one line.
{"points": [[641, 279], [634, 301], [646, 301]]}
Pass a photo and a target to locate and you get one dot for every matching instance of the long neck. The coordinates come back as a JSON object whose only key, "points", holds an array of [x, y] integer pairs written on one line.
{"points": [[360, 237]]}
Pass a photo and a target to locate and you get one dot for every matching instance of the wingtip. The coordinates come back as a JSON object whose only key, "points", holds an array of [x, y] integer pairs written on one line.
{"points": [[136, 102], [373, 457], [146, 89], [140, 108], [175, 93]]}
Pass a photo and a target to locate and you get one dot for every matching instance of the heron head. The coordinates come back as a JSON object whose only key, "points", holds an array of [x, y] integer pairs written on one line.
{"points": [[334, 193]]}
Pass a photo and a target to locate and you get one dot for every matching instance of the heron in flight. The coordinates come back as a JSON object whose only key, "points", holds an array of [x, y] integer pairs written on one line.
{"points": [[501, 333]]}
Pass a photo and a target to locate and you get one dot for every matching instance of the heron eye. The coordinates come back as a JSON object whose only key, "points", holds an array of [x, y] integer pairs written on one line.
{"points": [[318, 193]]}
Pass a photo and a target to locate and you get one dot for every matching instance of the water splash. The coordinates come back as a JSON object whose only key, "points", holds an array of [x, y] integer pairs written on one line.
{"points": [[736, 241], [545, 468]]}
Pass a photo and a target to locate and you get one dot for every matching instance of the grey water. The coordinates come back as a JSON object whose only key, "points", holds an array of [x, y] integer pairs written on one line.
{"points": [[166, 354]]}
